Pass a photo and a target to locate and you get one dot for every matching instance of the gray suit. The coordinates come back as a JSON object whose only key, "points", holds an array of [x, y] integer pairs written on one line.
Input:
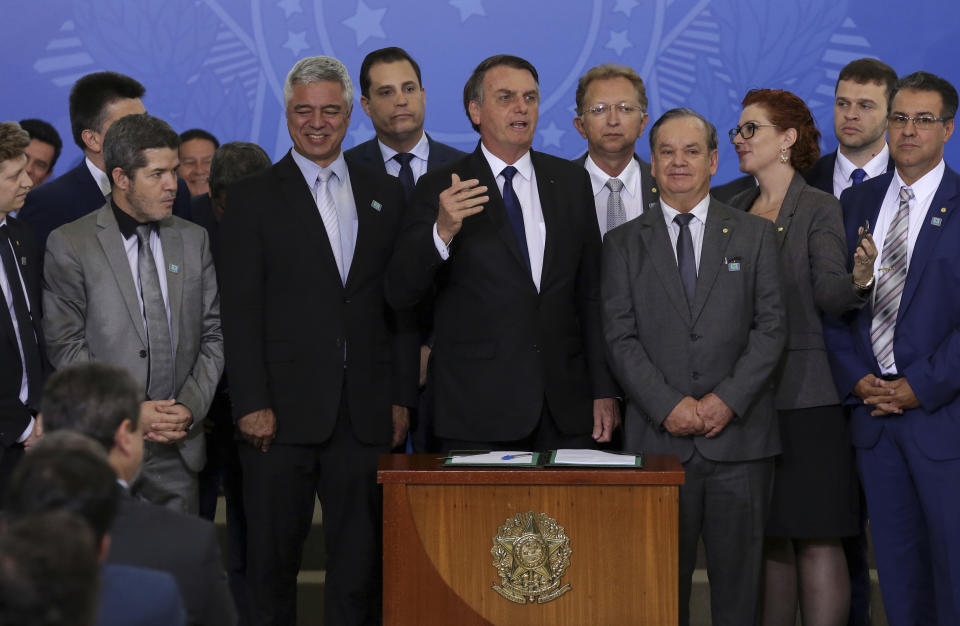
{"points": [[728, 342], [91, 312]]}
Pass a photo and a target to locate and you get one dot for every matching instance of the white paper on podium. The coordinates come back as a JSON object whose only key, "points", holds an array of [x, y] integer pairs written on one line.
{"points": [[593, 457], [494, 457]]}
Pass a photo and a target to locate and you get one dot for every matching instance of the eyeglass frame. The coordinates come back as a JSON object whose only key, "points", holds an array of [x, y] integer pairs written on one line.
{"points": [[733, 132], [920, 122], [602, 110]]}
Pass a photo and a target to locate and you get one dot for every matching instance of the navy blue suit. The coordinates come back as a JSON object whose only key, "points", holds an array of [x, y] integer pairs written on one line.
{"points": [[368, 155], [73, 195], [134, 596], [911, 464]]}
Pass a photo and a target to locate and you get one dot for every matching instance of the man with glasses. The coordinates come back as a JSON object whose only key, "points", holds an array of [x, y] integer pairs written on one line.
{"points": [[896, 360], [611, 116]]}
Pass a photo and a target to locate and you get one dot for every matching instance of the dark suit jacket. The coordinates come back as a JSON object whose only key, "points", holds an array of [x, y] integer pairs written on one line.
{"points": [[727, 343], [71, 196], [14, 416], [926, 343], [648, 183], [286, 313], [155, 537], [368, 155], [501, 349], [821, 174], [135, 596], [726, 192], [814, 277]]}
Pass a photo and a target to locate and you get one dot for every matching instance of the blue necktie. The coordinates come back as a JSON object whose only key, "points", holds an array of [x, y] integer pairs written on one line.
{"points": [[858, 175], [406, 173], [514, 212], [685, 258]]}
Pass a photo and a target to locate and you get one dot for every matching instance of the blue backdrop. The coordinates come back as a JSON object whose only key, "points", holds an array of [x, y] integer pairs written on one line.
{"points": [[220, 64]]}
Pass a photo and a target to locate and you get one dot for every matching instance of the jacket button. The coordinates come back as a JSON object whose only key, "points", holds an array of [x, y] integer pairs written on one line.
{"points": [[339, 342], [694, 337], [695, 375], [143, 354]]}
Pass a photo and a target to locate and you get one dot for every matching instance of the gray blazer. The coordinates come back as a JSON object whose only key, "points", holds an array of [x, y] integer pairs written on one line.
{"points": [[91, 311], [727, 343], [814, 278]]}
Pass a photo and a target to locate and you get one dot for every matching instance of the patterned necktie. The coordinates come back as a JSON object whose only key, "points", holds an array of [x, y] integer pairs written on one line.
{"points": [[890, 284], [858, 175], [686, 261], [514, 212], [616, 214], [159, 346], [406, 173], [28, 338], [328, 213]]}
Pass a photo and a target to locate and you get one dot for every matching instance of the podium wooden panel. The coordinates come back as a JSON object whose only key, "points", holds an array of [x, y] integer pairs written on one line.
{"points": [[439, 524]]}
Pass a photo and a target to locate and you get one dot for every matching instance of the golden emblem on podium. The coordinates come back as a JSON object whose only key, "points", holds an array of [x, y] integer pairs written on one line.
{"points": [[531, 552]]}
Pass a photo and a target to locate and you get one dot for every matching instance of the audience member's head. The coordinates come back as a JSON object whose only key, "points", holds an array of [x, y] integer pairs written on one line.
{"points": [[392, 95], [786, 112], [14, 181], [318, 98], [921, 122], [683, 157], [43, 150], [611, 112], [196, 153], [49, 572], [231, 162], [96, 102], [101, 402], [861, 103]]}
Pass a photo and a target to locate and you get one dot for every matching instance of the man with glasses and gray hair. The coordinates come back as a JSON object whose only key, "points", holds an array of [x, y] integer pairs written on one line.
{"points": [[321, 371], [611, 116]]}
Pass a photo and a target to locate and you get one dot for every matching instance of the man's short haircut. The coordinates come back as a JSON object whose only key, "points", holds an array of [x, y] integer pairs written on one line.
{"points": [[92, 399], [233, 161], [925, 81], [867, 70], [473, 90], [45, 132], [129, 136], [606, 72], [709, 128], [787, 110], [198, 133], [69, 472], [384, 55], [13, 141], [90, 97], [49, 571], [317, 69]]}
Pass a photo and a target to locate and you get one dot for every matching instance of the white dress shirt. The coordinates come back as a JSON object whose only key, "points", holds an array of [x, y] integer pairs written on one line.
{"points": [[923, 191], [843, 169], [696, 226], [420, 152], [101, 178], [631, 195], [8, 298]]}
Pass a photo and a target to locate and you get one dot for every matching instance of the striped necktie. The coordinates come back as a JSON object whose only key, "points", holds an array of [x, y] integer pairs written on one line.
{"points": [[890, 284], [328, 213]]}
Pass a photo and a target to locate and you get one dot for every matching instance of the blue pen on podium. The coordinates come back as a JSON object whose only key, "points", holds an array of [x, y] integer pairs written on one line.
{"points": [[510, 457]]}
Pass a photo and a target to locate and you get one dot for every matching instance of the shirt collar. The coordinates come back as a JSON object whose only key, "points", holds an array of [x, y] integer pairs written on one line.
{"points": [[311, 170], [699, 211], [630, 176], [924, 186], [421, 150], [874, 167], [524, 164], [125, 221], [99, 176]]}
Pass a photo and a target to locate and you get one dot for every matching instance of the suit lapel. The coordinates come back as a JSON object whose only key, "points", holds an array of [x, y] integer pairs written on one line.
{"points": [[367, 216], [172, 244], [495, 210], [649, 194], [716, 235], [788, 208], [111, 242], [656, 240]]}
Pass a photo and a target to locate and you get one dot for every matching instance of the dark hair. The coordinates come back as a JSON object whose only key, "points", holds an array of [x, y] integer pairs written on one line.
{"points": [[925, 81], [868, 70], [710, 129], [49, 573], [45, 132], [90, 97], [65, 474], [13, 140], [129, 136], [92, 399], [233, 161], [384, 55], [786, 110], [473, 90], [198, 133], [608, 71]]}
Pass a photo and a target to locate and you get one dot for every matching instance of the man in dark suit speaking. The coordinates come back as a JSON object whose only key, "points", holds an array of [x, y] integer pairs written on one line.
{"points": [[694, 322], [508, 240], [321, 372]]}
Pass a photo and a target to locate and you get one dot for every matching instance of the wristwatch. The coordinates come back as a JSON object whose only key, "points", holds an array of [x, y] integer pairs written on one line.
{"points": [[862, 288]]}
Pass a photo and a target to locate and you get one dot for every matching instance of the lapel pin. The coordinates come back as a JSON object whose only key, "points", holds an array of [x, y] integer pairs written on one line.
{"points": [[732, 263], [652, 205], [943, 209], [174, 268], [725, 231], [779, 229], [653, 189], [376, 205], [936, 221], [23, 261]]}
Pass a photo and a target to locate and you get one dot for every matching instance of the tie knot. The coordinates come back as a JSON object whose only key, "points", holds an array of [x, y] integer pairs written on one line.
{"points": [[143, 232], [325, 175], [403, 158], [508, 173], [858, 175], [906, 194], [615, 185], [683, 219]]}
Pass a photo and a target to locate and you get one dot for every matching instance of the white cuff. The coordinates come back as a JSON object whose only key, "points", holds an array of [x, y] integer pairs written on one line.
{"points": [[29, 430], [442, 248]]}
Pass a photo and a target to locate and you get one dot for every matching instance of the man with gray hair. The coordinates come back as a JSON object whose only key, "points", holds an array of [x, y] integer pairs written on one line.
{"points": [[134, 286], [321, 371]]}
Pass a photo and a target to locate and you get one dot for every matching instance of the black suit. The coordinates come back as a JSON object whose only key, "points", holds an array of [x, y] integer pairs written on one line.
{"points": [[71, 196], [14, 415], [155, 537], [368, 155], [289, 321], [821, 174], [503, 353]]}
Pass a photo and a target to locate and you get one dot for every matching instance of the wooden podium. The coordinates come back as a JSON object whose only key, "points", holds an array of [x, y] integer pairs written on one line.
{"points": [[440, 523]]}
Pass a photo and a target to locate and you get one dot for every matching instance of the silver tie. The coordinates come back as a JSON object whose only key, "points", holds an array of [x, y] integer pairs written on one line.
{"points": [[616, 214], [890, 284], [328, 213], [160, 363]]}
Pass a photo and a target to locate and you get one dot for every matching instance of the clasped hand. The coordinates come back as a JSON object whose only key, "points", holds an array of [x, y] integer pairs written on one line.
{"points": [[707, 416], [165, 421]]}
